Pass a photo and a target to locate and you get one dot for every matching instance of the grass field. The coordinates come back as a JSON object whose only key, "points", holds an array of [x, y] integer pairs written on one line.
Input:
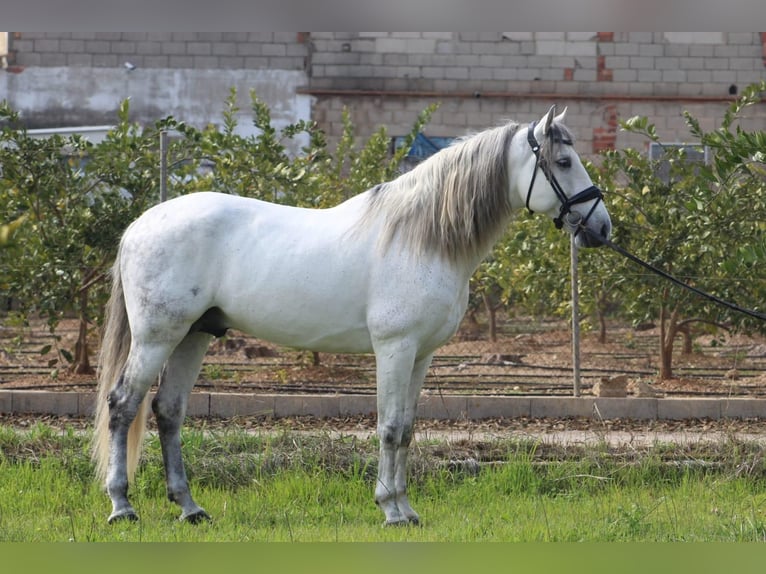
{"points": [[297, 487]]}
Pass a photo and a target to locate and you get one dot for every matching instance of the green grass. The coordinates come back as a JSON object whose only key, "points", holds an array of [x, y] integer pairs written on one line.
{"points": [[290, 487]]}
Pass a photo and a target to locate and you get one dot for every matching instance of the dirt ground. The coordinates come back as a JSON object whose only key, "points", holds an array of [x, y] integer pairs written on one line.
{"points": [[530, 357]]}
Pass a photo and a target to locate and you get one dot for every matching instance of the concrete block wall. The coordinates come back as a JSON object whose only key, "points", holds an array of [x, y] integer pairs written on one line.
{"points": [[73, 78], [483, 78], [594, 122], [430, 406], [592, 63], [480, 78], [201, 50]]}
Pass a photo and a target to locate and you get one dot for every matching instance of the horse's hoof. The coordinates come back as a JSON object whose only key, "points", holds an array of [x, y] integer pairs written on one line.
{"points": [[118, 516], [195, 517], [402, 522]]}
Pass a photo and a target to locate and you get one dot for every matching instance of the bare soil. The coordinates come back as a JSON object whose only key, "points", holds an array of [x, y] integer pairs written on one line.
{"points": [[468, 429], [529, 358]]}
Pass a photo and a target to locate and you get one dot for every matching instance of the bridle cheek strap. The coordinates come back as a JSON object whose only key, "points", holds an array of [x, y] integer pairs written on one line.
{"points": [[583, 196]]}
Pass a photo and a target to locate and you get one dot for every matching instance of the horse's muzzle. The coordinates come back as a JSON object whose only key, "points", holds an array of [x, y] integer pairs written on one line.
{"points": [[593, 236]]}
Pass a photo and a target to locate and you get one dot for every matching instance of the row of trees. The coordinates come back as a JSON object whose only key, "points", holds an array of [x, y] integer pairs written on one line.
{"points": [[64, 203]]}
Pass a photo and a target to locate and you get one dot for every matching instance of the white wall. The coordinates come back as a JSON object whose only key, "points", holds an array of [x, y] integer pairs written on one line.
{"points": [[70, 96]]}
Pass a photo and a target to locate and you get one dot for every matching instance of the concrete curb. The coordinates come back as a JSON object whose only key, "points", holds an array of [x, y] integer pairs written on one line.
{"points": [[450, 407]]}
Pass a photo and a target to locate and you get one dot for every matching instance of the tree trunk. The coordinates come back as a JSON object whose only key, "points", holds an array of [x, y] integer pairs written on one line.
{"points": [[601, 328], [81, 364], [668, 332], [601, 315], [316, 361], [492, 315], [686, 332]]}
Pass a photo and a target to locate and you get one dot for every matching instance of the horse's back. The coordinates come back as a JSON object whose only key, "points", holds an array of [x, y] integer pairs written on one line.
{"points": [[207, 223], [202, 214]]}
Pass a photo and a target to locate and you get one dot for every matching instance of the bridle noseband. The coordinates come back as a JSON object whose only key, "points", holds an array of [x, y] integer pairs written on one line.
{"points": [[592, 192]]}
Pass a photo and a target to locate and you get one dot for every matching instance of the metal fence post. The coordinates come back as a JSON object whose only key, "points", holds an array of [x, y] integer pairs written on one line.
{"points": [[163, 165], [575, 316]]}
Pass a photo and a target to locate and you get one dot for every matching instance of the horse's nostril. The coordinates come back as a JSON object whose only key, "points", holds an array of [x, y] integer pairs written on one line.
{"points": [[605, 231]]}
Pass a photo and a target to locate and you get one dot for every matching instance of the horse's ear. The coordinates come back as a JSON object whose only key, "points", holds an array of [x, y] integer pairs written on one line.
{"points": [[548, 119], [560, 118]]}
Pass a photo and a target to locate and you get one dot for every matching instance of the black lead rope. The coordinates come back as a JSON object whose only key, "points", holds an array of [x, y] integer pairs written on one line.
{"points": [[672, 279]]}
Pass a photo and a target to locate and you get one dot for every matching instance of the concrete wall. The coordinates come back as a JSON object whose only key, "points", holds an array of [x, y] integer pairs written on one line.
{"points": [[201, 50], [386, 78], [81, 96], [70, 79], [585, 63], [593, 121]]}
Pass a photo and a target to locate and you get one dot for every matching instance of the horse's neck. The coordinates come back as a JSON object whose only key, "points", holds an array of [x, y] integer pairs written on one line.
{"points": [[468, 264], [487, 248]]}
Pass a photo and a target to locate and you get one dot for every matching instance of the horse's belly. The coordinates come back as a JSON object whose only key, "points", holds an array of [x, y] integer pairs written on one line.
{"points": [[308, 306], [338, 332]]}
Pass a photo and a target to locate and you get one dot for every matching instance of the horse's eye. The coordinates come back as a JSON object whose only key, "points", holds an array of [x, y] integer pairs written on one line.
{"points": [[564, 162]]}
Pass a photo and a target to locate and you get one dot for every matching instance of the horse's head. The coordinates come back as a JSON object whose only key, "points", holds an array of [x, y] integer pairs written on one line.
{"points": [[551, 179]]}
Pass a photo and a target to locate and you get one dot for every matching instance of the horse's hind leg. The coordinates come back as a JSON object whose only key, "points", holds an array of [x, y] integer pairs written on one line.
{"points": [[141, 370], [169, 407]]}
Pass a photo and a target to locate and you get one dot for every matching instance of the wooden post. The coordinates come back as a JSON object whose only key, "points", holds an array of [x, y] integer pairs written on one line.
{"points": [[575, 317], [163, 165]]}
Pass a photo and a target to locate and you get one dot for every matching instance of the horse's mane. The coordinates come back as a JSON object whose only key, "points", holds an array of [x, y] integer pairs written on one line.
{"points": [[455, 203]]}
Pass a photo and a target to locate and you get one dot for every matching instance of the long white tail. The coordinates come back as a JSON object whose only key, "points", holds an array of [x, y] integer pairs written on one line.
{"points": [[115, 346]]}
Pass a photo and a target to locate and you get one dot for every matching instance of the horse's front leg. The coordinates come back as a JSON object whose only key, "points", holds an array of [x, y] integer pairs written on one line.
{"points": [[402, 453], [399, 381]]}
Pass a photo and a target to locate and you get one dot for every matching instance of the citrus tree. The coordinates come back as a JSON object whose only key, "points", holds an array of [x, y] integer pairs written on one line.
{"points": [[703, 223], [73, 205]]}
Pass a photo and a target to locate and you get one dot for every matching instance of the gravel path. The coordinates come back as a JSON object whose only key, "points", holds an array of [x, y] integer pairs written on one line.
{"points": [[569, 431]]}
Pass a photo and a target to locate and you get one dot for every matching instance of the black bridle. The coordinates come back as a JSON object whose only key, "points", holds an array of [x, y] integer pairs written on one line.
{"points": [[592, 192]]}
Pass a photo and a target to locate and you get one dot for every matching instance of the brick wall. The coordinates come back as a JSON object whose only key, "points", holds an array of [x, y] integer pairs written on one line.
{"points": [[635, 63]]}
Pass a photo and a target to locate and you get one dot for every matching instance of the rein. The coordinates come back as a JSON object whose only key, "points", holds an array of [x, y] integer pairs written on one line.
{"points": [[665, 275], [587, 194]]}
